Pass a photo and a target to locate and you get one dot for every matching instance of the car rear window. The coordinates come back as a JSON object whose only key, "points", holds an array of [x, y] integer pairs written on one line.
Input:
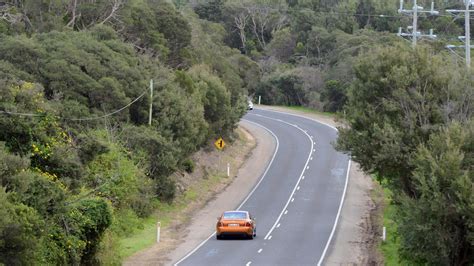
{"points": [[235, 215]]}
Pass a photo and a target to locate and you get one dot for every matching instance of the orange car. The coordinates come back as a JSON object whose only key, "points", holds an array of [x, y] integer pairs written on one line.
{"points": [[236, 223]]}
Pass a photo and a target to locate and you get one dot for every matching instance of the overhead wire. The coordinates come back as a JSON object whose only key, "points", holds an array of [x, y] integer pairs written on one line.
{"points": [[330, 11], [81, 118]]}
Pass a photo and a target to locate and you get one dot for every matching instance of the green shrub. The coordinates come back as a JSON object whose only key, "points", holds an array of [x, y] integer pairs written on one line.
{"points": [[188, 165], [20, 231], [90, 147]]}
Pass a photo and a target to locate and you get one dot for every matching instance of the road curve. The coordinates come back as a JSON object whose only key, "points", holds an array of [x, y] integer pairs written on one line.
{"points": [[296, 202]]}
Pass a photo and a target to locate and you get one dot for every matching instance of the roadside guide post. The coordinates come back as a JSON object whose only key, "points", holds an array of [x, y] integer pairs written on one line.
{"points": [[158, 227], [228, 169], [259, 98]]}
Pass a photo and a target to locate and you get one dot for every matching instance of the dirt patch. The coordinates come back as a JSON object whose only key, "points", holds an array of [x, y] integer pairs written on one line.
{"points": [[212, 197]]}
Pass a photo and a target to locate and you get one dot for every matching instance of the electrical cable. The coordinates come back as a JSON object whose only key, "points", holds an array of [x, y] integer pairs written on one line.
{"points": [[78, 119]]}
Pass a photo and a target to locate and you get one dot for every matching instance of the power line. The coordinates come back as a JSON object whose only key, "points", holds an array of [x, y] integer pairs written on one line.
{"points": [[109, 114], [78, 119], [330, 11]]}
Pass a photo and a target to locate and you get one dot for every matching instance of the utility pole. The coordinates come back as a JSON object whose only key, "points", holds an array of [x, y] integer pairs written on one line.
{"points": [[151, 102], [415, 34], [415, 23], [467, 31]]}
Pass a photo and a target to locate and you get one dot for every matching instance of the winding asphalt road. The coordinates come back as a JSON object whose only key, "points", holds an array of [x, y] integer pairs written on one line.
{"points": [[296, 202]]}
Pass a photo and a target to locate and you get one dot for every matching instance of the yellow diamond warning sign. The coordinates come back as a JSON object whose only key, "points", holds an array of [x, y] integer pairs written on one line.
{"points": [[220, 144]]}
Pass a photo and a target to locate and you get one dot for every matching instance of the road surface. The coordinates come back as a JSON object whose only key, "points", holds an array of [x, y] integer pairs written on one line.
{"points": [[296, 202]]}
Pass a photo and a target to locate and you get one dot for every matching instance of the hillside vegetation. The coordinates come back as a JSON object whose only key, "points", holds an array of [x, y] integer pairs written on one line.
{"points": [[80, 166]]}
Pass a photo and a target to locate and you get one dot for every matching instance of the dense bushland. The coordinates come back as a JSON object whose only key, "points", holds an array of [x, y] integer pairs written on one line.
{"points": [[411, 125], [79, 164], [306, 49]]}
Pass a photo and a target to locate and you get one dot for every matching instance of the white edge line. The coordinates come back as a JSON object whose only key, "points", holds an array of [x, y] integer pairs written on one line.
{"points": [[248, 196], [297, 183], [337, 216], [345, 185]]}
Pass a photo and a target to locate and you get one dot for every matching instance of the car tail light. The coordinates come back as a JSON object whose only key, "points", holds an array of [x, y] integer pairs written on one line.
{"points": [[248, 224], [220, 224]]}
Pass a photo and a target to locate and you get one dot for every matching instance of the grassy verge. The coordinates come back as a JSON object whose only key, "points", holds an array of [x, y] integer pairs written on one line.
{"points": [[146, 237], [309, 111], [178, 211], [389, 248]]}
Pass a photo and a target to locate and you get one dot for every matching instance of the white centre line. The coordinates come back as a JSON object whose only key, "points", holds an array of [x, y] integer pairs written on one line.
{"points": [[248, 263], [278, 225], [343, 194], [270, 237], [298, 188], [302, 177], [260, 250], [299, 179], [311, 158], [293, 199], [251, 192]]}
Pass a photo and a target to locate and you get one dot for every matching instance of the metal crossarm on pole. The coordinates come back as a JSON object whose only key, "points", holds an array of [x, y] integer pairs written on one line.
{"points": [[467, 31], [412, 31]]}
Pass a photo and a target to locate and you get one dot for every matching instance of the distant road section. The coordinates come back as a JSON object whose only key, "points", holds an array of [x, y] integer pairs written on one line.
{"points": [[296, 202]]}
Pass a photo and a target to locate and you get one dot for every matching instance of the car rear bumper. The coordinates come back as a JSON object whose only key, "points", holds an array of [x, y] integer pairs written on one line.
{"points": [[230, 230]]}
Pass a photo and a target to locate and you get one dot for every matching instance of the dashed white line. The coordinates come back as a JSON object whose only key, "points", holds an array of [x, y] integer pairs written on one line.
{"points": [[314, 149], [278, 225], [302, 177], [249, 195], [311, 158], [298, 188], [248, 263], [299, 179], [270, 237], [293, 199], [260, 250]]}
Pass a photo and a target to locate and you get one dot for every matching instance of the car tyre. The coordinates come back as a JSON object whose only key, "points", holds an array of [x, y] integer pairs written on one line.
{"points": [[218, 237]]}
